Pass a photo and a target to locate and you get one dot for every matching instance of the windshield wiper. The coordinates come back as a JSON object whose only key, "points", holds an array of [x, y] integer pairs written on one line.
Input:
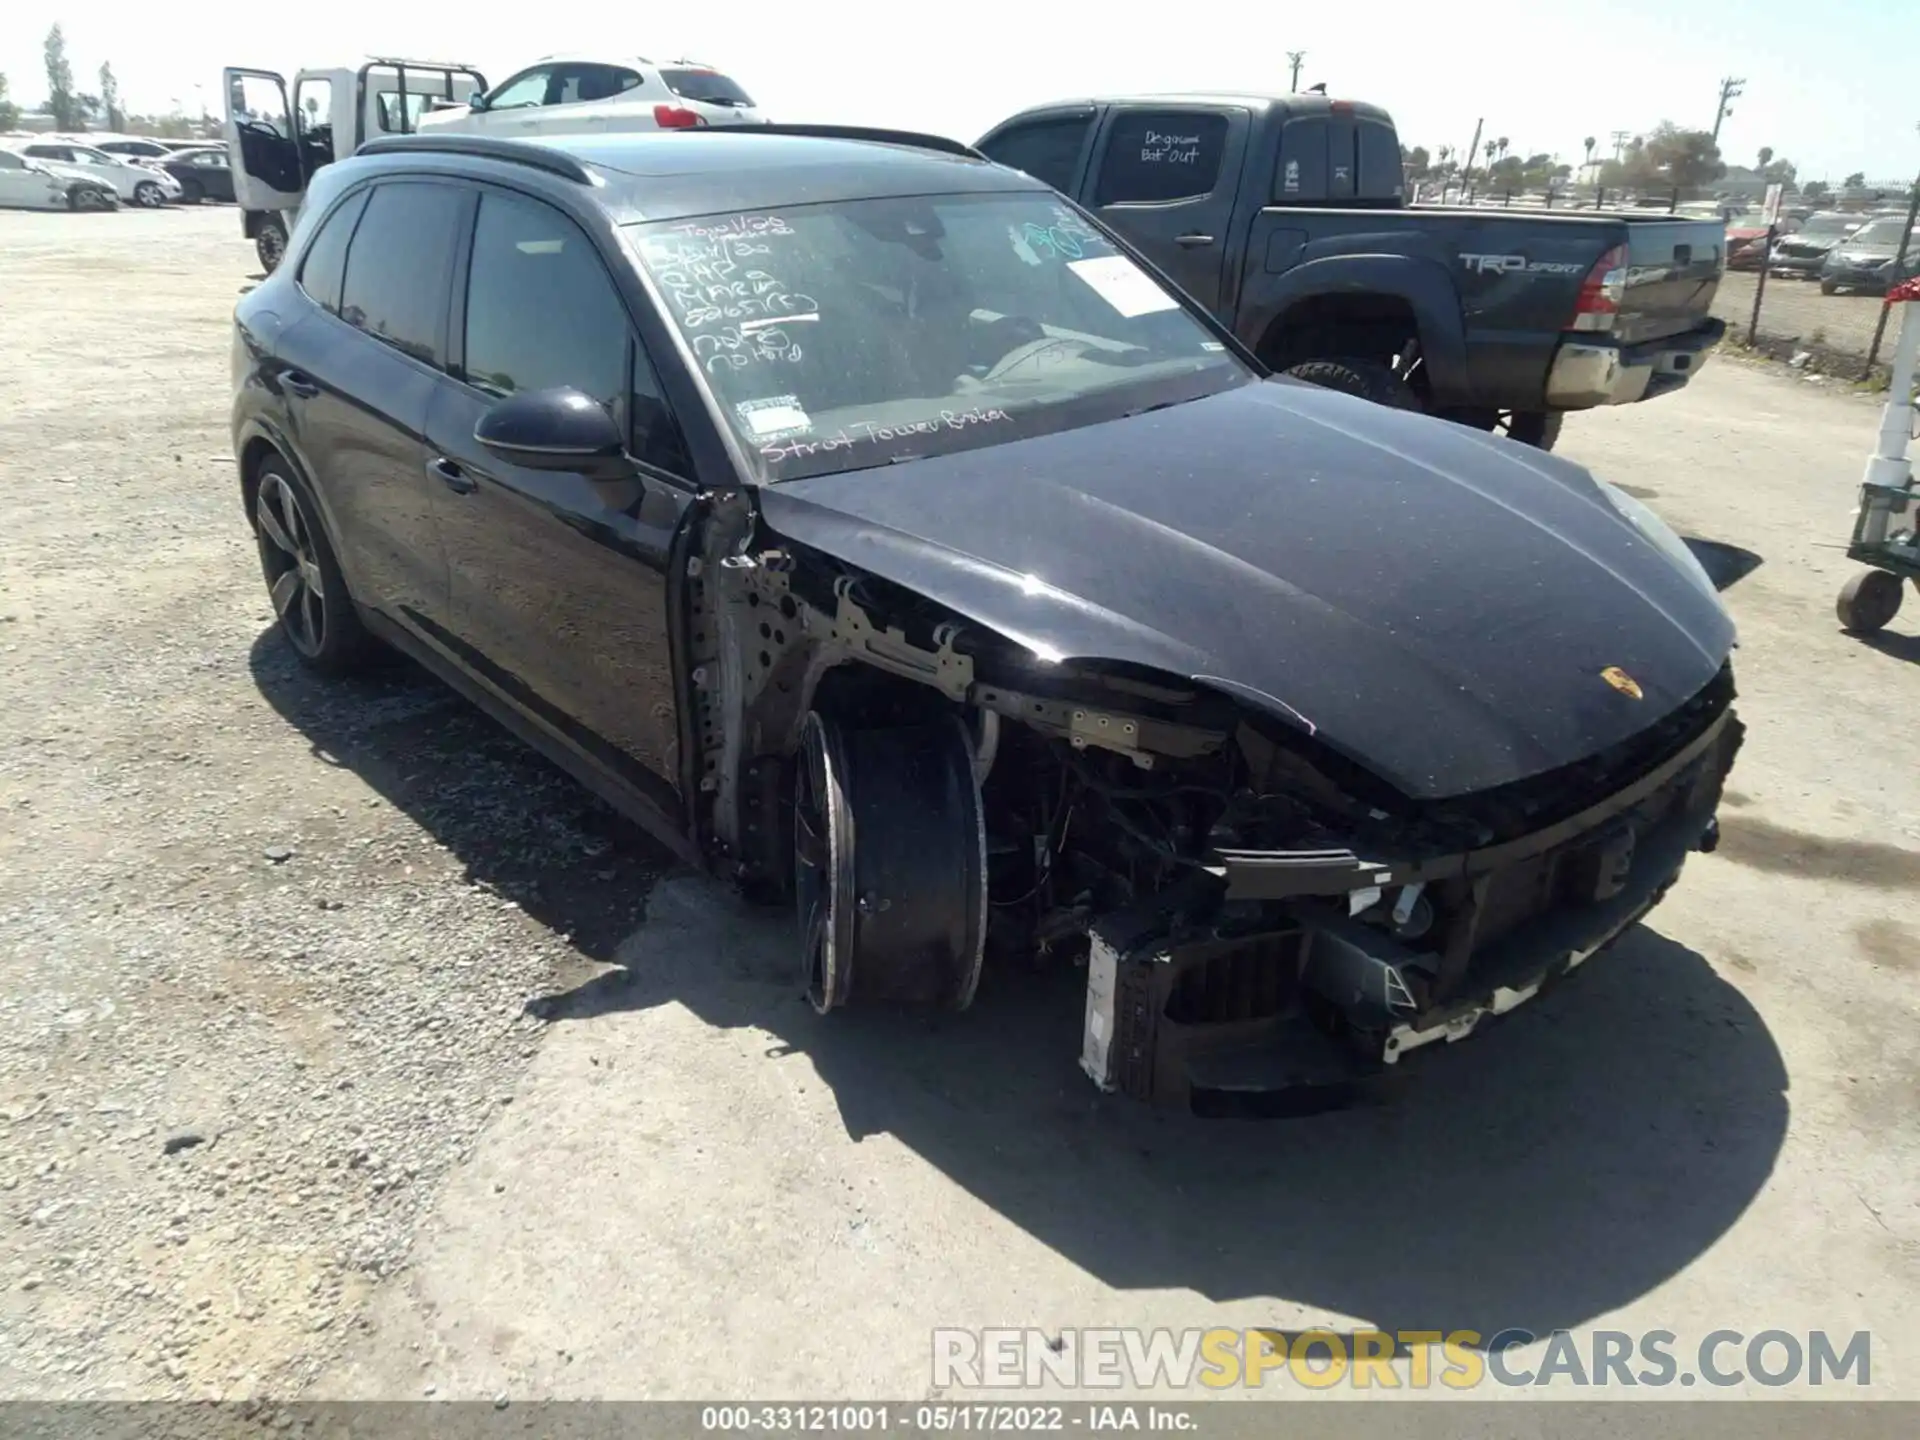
{"points": [[1147, 409]]}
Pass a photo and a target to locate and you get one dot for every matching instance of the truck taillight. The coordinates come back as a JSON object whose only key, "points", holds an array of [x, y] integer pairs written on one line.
{"points": [[677, 117], [1602, 291]]}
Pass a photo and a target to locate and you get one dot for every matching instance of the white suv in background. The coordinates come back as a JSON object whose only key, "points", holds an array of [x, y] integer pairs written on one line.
{"points": [[572, 94], [134, 183]]}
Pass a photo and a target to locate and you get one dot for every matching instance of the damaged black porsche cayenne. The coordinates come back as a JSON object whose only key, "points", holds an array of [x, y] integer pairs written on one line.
{"points": [[871, 525]]}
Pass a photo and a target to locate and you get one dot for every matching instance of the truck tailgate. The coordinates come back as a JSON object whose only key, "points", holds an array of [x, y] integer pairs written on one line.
{"points": [[1673, 268]]}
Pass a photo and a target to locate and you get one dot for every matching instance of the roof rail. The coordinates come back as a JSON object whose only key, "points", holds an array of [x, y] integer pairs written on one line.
{"points": [[419, 64], [916, 138], [482, 147]]}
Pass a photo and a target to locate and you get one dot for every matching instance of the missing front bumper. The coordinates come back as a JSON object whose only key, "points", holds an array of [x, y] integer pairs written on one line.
{"points": [[1303, 1014]]}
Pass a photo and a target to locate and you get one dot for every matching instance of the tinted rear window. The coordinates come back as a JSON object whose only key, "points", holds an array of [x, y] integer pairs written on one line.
{"points": [[1161, 155], [705, 87], [326, 260], [397, 267], [1048, 150], [1302, 175], [1380, 172]]}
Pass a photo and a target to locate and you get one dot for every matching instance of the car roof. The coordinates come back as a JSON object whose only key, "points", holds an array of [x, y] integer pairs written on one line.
{"points": [[677, 174], [1250, 99], [601, 57]]}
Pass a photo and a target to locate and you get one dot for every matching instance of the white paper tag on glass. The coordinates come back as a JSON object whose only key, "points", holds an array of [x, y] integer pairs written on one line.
{"points": [[773, 417], [1123, 285]]}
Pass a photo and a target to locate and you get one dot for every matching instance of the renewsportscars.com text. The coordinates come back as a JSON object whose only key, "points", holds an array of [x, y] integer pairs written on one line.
{"points": [[1218, 1359]]}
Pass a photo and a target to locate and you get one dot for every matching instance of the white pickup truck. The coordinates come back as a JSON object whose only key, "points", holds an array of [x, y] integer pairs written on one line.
{"points": [[278, 137]]}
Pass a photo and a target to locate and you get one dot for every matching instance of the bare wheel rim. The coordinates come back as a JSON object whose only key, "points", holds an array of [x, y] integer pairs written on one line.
{"points": [[291, 566], [812, 887], [815, 856]]}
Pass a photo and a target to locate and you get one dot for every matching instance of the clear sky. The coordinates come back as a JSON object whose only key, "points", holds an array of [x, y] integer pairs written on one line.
{"points": [[1829, 86]]}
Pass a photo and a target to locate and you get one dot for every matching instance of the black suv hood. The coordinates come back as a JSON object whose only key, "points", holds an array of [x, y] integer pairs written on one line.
{"points": [[1432, 602]]}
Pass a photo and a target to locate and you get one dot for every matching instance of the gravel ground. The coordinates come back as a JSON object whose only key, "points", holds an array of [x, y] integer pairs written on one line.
{"points": [[264, 946], [268, 948], [1796, 310]]}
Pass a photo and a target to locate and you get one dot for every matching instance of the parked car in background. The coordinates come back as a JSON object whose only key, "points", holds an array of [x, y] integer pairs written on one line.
{"points": [[1746, 247], [134, 183], [1802, 253], [1865, 260], [133, 147], [587, 93], [1285, 216], [29, 185], [204, 174], [44, 185]]}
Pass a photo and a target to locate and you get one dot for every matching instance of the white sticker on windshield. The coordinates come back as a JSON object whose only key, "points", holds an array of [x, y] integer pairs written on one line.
{"points": [[773, 418], [1123, 285]]}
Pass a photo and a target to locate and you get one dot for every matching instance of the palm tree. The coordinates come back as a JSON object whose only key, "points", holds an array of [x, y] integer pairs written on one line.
{"points": [[1766, 156], [1589, 143], [1489, 148], [1502, 143]]}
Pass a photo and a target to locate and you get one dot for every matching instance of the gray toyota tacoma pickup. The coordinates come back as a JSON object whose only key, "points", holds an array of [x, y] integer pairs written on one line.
{"points": [[1286, 216]]}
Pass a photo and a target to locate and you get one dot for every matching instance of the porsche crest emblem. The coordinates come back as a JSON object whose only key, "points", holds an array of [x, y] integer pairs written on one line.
{"points": [[1623, 682]]}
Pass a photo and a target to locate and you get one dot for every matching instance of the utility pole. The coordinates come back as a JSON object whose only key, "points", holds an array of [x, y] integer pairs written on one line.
{"points": [[1730, 88], [1294, 58], [1620, 138], [1472, 150]]}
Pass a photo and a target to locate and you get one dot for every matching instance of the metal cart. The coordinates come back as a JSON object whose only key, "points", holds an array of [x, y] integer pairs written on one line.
{"points": [[1886, 529]]}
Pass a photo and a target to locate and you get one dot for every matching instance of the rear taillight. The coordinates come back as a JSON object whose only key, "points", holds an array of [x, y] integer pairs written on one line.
{"points": [[677, 117], [1602, 291]]}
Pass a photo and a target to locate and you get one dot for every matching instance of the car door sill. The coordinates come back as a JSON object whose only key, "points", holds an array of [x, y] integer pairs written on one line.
{"points": [[631, 801]]}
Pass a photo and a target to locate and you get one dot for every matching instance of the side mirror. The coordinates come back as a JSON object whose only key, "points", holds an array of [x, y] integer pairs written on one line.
{"points": [[478, 102], [558, 429]]}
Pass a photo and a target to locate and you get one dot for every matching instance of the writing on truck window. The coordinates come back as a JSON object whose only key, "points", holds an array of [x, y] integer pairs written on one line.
{"points": [[1164, 149]]}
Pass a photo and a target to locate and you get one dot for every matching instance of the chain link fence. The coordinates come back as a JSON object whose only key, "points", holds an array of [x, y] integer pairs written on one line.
{"points": [[1815, 298]]}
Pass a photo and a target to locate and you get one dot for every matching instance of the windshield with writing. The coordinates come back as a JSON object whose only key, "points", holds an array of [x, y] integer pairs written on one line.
{"points": [[841, 336]]}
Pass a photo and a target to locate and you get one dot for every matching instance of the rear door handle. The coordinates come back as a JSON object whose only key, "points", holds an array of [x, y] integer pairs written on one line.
{"points": [[449, 474], [1192, 240], [294, 383]]}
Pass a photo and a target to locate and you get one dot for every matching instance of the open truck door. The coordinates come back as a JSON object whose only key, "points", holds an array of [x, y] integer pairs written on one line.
{"points": [[276, 143], [268, 179]]}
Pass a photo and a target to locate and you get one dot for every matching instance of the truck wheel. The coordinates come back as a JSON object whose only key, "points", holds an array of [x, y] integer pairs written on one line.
{"points": [[1369, 379], [1538, 428], [1827, 287], [270, 242]]}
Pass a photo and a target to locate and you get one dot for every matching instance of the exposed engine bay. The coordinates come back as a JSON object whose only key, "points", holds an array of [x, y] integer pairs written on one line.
{"points": [[1257, 916]]}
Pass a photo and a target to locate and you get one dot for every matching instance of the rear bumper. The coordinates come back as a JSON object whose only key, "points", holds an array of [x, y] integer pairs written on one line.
{"points": [[1590, 371]]}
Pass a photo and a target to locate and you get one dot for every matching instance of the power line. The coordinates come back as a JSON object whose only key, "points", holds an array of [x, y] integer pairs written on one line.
{"points": [[1294, 57]]}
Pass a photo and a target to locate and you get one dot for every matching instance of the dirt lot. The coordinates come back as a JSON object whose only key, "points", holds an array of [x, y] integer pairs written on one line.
{"points": [[280, 1118], [1796, 310]]}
